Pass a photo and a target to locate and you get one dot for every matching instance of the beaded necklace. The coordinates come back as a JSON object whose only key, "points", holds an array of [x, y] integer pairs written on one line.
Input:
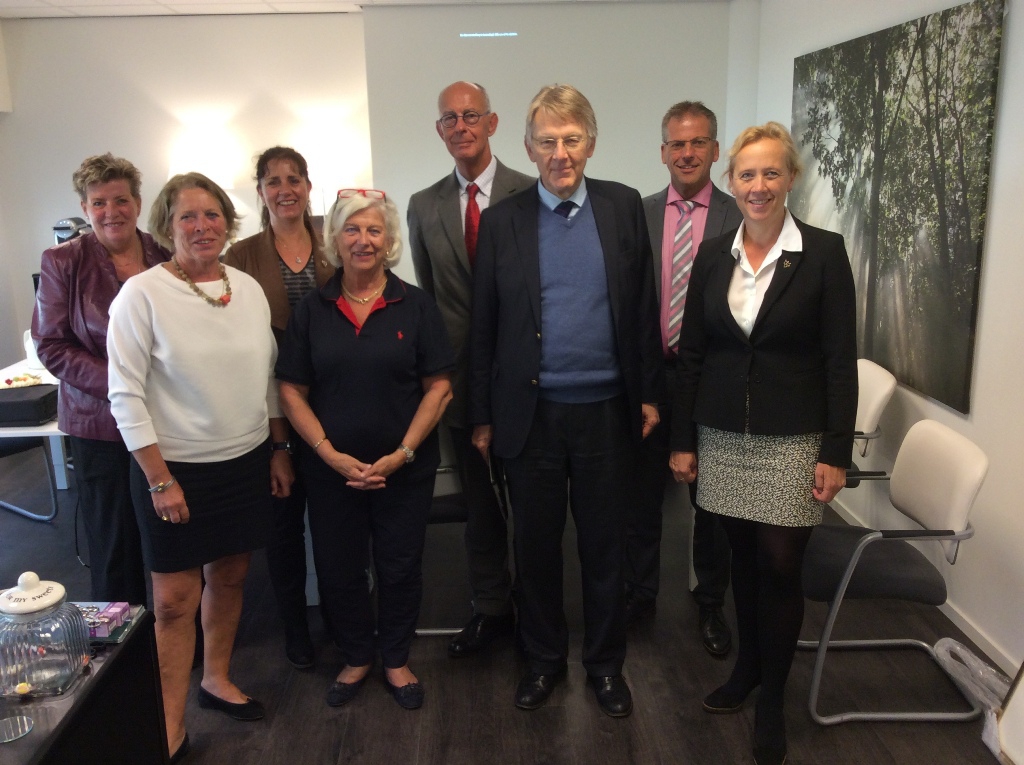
{"points": [[220, 302]]}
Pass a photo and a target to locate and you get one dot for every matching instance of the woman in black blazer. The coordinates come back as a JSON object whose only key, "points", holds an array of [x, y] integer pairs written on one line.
{"points": [[766, 401]]}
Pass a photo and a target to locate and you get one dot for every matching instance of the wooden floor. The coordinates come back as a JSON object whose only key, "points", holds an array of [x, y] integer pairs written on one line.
{"points": [[469, 718]]}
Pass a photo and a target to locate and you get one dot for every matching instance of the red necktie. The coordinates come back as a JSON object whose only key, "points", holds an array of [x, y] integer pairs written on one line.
{"points": [[472, 222]]}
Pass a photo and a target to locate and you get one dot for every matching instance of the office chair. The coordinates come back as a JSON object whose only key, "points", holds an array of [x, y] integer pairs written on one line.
{"points": [[11, 446], [934, 482], [875, 386]]}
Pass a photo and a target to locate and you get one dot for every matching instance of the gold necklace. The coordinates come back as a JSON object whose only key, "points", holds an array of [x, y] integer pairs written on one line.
{"points": [[368, 298], [220, 302]]}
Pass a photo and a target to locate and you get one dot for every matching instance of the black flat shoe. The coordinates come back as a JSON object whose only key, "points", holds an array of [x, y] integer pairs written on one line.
{"points": [[246, 712], [613, 695], [480, 632], [723, 702], [534, 689], [182, 751], [409, 696], [714, 632], [340, 694]]}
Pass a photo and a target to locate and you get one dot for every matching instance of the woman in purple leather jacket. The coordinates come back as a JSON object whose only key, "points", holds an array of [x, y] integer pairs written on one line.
{"points": [[77, 282]]}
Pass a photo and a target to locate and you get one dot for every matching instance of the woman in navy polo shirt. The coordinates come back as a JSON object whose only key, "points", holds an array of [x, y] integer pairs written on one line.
{"points": [[365, 376]]}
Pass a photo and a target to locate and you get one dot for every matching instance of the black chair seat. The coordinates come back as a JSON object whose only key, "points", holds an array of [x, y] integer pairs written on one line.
{"points": [[887, 568]]}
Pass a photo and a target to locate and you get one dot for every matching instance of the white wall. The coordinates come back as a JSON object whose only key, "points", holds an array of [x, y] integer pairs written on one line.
{"points": [[986, 587], [626, 58], [171, 94]]}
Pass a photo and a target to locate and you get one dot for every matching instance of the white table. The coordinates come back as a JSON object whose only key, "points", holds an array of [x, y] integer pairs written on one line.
{"points": [[48, 430]]}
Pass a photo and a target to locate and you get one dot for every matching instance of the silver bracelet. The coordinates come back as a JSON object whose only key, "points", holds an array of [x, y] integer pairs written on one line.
{"points": [[160, 488]]}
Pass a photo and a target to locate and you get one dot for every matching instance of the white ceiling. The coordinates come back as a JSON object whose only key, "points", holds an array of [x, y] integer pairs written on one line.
{"points": [[34, 9]]}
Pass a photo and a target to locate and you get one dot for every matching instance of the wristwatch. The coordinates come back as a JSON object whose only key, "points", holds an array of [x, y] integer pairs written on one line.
{"points": [[282, 446], [410, 455]]}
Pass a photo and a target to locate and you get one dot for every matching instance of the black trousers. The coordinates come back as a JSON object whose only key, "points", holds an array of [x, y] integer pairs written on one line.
{"points": [[486, 530], [343, 523], [644, 522], [581, 456], [102, 470]]}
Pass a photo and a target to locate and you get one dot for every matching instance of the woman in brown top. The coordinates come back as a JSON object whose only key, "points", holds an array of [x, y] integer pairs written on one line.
{"points": [[287, 259]]}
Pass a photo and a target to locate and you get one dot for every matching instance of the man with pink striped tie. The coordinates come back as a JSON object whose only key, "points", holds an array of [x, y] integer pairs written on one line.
{"points": [[681, 216]]}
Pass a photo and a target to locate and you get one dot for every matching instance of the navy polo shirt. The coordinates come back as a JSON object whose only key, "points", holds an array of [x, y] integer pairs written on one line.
{"points": [[365, 383]]}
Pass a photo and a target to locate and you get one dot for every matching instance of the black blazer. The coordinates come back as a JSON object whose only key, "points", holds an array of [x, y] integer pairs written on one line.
{"points": [[505, 340], [799, 365]]}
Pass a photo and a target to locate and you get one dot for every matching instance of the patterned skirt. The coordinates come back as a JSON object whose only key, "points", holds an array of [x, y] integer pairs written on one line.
{"points": [[768, 479]]}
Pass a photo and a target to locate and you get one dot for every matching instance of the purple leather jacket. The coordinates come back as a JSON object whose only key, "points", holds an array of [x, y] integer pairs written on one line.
{"points": [[77, 283]]}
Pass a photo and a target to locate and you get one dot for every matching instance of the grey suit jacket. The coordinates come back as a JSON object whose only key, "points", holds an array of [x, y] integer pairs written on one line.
{"points": [[723, 215], [442, 266]]}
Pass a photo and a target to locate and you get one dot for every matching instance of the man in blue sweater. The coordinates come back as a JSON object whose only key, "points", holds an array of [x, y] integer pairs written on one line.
{"points": [[565, 370]]}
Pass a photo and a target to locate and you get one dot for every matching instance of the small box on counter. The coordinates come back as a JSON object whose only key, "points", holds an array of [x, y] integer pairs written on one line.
{"points": [[103, 618]]}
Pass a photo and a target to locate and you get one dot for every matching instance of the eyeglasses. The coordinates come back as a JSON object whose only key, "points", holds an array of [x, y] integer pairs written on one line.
{"points": [[368, 193], [697, 144], [571, 143], [451, 119]]}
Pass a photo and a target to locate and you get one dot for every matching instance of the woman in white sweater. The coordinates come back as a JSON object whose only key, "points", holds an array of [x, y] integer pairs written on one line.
{"points": [[186, 341]]}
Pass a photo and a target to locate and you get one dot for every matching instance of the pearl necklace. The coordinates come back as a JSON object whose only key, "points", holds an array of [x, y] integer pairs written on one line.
{"points": [[220, 302], [368, 298]]}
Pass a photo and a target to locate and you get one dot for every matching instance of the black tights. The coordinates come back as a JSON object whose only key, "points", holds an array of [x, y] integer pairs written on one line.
{"points": [[766, 565]]}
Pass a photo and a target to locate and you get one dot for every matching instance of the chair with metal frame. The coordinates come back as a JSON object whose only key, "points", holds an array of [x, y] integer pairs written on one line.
{"points": [[11, 446], [875, 386], [934, 482]]}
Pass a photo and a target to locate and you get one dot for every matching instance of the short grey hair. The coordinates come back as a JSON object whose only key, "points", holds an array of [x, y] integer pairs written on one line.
{"points": [[345, 208], [689, 109], [566, 103]]}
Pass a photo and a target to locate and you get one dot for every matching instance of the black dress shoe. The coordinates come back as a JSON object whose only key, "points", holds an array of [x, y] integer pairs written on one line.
{"points": [[479, 632], [769, 755], [181, 752], [638, 608], [534, 689], [409, 696], [246, 712], [613, 695], [722, 701], [298, 647], [340, 694], [714, 631]]}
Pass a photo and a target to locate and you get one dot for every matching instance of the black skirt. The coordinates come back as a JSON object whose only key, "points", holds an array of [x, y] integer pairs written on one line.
{"points": [[229, 511]]}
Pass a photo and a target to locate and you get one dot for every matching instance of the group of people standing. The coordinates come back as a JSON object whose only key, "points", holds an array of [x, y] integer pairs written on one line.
{"points": [[589, 353]]}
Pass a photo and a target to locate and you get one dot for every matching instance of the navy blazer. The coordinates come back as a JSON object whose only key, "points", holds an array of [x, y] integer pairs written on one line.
{"points": [[505, 341], [798, 367]]}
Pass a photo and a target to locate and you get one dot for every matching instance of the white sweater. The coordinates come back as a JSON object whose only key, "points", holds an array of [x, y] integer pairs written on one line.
{"points": [[195, 379]]}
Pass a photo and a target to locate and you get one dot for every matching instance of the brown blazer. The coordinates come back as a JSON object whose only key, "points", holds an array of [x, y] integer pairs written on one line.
{"points": [[257, 256]]}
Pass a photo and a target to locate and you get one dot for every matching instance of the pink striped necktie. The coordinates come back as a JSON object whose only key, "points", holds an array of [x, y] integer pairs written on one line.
{"points": [[682, 260]]}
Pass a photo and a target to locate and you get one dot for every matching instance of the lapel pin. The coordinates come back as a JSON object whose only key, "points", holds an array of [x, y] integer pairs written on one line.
{"points": [[786, 263]]}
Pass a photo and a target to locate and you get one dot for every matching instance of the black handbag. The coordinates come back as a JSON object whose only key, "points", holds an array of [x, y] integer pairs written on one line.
{"points": [[25, 407]]}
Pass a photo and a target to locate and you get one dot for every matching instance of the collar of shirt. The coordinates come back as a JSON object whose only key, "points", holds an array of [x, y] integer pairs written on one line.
{"points": [[550, 201], [485, 181], [789, 239]]}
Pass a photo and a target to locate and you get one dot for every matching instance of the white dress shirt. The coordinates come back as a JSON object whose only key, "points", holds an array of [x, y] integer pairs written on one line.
{"points": [[747, 288]]}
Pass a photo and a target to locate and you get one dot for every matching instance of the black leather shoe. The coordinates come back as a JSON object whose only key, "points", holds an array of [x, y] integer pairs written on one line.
{"points": [[182, 751], [724, 702], [408, 696], [534, 689], [340, 694], [769, 755], [613, 695], [246, 712], [298, 647], [481, 630], [638, 608], [714, 631]]}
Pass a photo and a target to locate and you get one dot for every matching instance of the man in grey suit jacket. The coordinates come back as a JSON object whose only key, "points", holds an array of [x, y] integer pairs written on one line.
{"points": [[689, 148], [442, 258]]}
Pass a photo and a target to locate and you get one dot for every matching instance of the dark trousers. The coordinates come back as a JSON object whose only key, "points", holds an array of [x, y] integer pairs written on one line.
{"points": [[578, 455], [343, 523], [486, 530], [643, 535], [102, 470], [286, 554]]}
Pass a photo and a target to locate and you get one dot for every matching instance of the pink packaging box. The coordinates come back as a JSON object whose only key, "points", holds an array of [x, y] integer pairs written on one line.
{"points": [[103, 618]]}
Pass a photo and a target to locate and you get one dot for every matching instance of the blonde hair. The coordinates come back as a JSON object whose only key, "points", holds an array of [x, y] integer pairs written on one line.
{"points": [[566, 103], [161, 214], [774, 130], [344, 208]]}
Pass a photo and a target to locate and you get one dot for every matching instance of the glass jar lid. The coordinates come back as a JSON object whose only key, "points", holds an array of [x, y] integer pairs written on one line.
{"points": [[31, 595]]}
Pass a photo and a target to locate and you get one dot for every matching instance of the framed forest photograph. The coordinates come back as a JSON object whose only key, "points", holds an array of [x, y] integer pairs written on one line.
{"points": [[895, 130]]}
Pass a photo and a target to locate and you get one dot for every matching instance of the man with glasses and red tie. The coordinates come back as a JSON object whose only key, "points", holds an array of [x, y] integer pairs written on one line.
{"points": [[565, 373], [443, 222], [679, 217]]}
